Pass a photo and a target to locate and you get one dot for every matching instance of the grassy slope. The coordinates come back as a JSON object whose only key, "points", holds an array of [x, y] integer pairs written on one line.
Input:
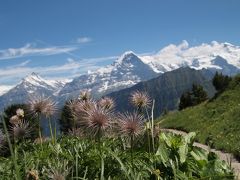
{"points": [[217, 120]]}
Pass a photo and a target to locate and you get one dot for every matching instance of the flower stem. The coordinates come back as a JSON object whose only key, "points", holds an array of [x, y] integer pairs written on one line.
{"points": [[39, 131], [148, 134], [131, 143], [50, 129], [13, 153], [152, 127]]}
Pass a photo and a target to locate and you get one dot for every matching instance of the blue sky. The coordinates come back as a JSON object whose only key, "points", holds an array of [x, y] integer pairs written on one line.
{"points": [[65, 38]]}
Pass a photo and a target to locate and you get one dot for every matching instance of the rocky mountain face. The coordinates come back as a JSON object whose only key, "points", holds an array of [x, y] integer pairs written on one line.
{"points": [[31, 86], [165, 89], [130, 69]]}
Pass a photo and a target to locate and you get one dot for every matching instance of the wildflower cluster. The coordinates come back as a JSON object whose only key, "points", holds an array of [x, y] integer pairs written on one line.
{"points": [[20, 127], [97, 118], [101, 144]]}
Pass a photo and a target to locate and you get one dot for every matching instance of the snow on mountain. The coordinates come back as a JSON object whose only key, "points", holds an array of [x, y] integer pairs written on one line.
{"points": [[197, 57], [4, 89], [35, 81], [30, 86], [130, 69], [126, 71]]}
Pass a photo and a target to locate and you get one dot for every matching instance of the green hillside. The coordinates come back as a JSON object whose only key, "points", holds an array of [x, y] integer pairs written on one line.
{"points": [[217, 121]]}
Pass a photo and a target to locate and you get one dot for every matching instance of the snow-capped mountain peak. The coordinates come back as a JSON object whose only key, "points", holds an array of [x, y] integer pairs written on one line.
{"points": [[34, 79], [126, 57], [124, 63], [130, 69], [126, 71], [31, 85], [198, 57]]}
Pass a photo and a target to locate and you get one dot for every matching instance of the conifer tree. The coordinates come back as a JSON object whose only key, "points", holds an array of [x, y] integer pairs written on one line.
{"points": [[221, 81], [185, 101], [199, 94], [193, 97]]}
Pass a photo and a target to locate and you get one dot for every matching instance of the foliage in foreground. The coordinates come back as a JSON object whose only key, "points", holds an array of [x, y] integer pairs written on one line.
{"points": [[80, 158], [102, 144]]}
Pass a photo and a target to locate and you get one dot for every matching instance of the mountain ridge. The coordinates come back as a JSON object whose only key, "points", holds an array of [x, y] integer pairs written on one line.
{"points": [[30, 86], [166, 89], [126, 71], [198, 57], [130, 69]]}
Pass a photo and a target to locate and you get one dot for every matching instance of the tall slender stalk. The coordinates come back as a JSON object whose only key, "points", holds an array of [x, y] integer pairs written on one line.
{"points": [[141, 111], [131, 144], [99, 135], [148, 135], [153, 141], [39, 130], [102, 169], [152, 127], [50, 129], [148, 139], [13, 155], [55, 130], [76, 165]]}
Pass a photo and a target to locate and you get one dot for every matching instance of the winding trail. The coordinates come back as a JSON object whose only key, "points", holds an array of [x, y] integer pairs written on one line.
{"points": [[235, 164]]}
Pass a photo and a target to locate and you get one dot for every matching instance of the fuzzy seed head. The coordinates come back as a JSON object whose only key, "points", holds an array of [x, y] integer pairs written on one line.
{"points": [[106, 103], [72, 105], [21, 130], [85, 95], [32, 175], [56, 175], [14, 120], [58, 171], [20, 113], [42, 106], [131, 125], [140, 99], [81, 108], [97, 120]]}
